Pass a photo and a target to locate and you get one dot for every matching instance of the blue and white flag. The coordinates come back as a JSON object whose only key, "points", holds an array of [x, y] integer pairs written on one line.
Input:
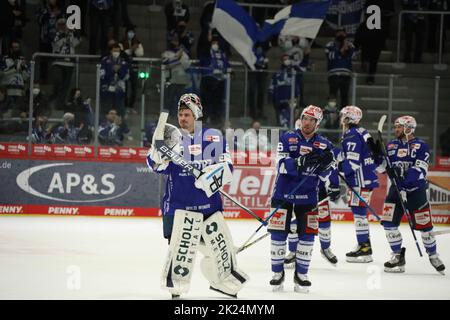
{"points": [[301, 19], [237, 27]]}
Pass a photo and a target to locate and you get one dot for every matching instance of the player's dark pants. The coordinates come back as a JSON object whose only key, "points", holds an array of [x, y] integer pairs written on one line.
{"points": [[279, 226]]}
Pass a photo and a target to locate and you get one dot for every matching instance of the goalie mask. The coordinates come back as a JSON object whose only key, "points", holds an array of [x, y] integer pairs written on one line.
{"points": [[351, 115], [191, 101], [408, 123], [313, 112]]}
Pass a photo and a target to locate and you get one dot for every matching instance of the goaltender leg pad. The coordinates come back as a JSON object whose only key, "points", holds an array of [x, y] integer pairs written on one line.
{"points": [[220, 265], [184, 241]]}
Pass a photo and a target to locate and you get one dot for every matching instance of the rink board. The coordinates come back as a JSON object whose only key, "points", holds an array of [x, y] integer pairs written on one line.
{"points": [[126, 187]]}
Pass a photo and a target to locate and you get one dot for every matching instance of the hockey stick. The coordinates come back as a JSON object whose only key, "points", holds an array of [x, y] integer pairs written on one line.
{"points": [[190, 169], [394, 182], [359, 196], [279, 206], [242, 248]]}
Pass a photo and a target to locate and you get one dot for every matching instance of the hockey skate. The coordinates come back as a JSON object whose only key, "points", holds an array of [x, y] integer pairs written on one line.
{"points": [[301, 283], [437, 263], [289, 261], [277, 281], [328, 255], [361, 254], [397, 263]]}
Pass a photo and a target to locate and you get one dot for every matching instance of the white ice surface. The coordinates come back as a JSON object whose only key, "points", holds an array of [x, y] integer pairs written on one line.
{"points": [[122, 258]]}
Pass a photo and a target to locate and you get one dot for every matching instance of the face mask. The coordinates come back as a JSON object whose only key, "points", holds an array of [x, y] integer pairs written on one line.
{"points": [[215, 47], [36, 91], [332, 104], [115, 55], [131, 35], [287, 62], [288, 44], [303, 43]]}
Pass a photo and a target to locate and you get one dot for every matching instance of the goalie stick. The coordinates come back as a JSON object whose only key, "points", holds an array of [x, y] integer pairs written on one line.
{"points": [[190, 169], [394, 181]]}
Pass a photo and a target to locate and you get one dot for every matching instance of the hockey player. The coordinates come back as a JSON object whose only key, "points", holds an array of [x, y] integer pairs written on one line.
{"points": [[409, 157], [358, 166], [328, 191], [192, 211], [302, 154]]}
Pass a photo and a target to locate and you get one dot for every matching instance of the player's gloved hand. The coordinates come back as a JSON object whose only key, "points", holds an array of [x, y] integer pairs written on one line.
{"points": [[334, 192], [326, 161], [307, 160], [157, 157]]}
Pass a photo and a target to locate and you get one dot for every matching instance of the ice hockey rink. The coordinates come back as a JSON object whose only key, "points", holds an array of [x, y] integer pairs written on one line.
{"points": [[122, 258]]}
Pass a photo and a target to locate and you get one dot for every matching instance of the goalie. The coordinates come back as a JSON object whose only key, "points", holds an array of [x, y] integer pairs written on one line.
{"points": [[192, 206]]}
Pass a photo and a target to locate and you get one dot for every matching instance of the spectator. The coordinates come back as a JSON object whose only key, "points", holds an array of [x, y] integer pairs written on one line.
{"points": [[15, 72], [133, 48], [370, 42], [40, 133], [253, 140], [280, 90], [214, 68], [100, 12], [120, 8], [339, 54], [19, 11], [47, 17], [257, 82], [67, 132], [6, 25], [414, 24], [113, 76], [113, 130], [444, 141], [434, 23], [64, 43], [176, 62], [298, 50], [80, 108], [176, 11], [40, 102], [185, 37]]}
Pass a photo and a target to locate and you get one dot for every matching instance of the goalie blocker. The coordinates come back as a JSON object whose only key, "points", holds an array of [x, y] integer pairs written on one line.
{"points": [[190, 233]]}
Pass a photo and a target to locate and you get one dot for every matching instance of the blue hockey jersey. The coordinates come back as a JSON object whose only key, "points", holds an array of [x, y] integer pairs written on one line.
{"points": [[205, 147], [292, 145], [357, 162], [414, 157]]}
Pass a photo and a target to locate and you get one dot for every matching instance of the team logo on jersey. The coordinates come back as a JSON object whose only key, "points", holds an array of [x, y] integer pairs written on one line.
{"points": [[415, 145], [305, 150], [319, 145], [293, 140], [195, 149], [212, 138], [391, 146], [401, 153]]}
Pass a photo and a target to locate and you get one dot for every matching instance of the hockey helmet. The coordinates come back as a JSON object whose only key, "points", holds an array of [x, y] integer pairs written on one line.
{"points": [[192, 101], [313, 112], [351, 114], [407, 122]]}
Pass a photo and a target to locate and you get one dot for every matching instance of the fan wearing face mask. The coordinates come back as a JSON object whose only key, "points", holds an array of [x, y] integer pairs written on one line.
{"points": [[280, 90], [114, 73]]}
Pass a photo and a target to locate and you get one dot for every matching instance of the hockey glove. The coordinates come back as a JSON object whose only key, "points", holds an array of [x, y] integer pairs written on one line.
{"points": [[334, 192], [326, 161], [213, 178], [307, 160]]}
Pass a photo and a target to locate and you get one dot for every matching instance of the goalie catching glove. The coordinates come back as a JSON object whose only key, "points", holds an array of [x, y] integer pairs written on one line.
{"points": [[213, 178]]}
